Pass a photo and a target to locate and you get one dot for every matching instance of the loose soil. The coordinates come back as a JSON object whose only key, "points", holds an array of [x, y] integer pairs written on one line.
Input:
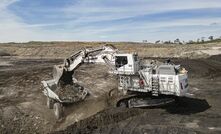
{"points": [[23, 106]]}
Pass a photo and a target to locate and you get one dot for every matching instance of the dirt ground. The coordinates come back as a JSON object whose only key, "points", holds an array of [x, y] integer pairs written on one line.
{"points": [[199, 113], [23, 105]]}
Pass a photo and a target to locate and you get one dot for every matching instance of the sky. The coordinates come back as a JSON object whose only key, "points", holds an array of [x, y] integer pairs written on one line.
{"points": [[108, 20]]}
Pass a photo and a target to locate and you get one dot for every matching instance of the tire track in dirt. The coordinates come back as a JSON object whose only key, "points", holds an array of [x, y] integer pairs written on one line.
{"points": [[131, 126]]}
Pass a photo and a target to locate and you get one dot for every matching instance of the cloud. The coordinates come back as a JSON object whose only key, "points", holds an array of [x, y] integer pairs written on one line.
{"points": [[152, 20], [11, 26], [110, 20], [5, 3], [98, 10]]}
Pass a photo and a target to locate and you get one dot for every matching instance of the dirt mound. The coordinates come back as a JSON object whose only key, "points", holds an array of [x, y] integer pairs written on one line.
{"points": [[197, 68], [215, 57], [209, 68], [64, 49], [70, 93], [4, 53], [101, 119], [123, 120]]}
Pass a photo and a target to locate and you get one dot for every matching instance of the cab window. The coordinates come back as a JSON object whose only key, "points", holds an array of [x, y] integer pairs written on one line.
{"points": [[120, 61]]}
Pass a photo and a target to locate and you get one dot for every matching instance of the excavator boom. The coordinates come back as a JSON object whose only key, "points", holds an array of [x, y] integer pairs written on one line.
{"points": [[64, 73]]}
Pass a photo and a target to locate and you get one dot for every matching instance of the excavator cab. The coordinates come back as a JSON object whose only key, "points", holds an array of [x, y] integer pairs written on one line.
{"points": [[126, 64]]}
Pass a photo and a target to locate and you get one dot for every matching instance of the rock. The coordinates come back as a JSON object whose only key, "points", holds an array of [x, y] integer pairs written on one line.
{"points": [[37, 117], [15, 118], [70, 92]]}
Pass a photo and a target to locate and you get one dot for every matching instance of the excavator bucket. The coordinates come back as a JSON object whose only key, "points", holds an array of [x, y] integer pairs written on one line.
{"points": [[61, 76], [58, 72]]}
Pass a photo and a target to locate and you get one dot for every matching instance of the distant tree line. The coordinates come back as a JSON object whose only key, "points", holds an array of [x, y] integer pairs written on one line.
{"points": [[199, 40]]}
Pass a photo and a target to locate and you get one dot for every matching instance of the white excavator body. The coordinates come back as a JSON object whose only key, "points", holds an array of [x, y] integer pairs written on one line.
{"points": [[134, 76], [167, 79]]}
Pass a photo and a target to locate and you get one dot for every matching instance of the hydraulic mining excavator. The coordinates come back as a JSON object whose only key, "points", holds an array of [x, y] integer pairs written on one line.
{"points": [[140, 85]]}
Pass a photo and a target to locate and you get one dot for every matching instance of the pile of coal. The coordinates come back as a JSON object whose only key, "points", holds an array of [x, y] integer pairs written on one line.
{"points": [[70, 92]]}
